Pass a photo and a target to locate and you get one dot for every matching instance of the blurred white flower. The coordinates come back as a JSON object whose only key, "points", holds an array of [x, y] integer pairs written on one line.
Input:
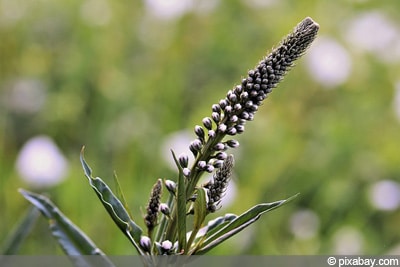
{"points": [[328, 62], [168, 10], [304, 224], [373, 32], [348, 241], [260, 3], [385, 195], [40, 163]]}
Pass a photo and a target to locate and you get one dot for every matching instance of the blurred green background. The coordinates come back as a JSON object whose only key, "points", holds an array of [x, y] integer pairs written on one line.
{"points": [[122, 77]]}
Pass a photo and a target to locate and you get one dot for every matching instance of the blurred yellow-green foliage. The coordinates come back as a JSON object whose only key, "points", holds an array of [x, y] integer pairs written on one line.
{"points": [[121, 76]]}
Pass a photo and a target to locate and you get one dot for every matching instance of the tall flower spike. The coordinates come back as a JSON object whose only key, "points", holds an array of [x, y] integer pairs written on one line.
{"points": [[243, 101], [217, 187], [153, 207]]}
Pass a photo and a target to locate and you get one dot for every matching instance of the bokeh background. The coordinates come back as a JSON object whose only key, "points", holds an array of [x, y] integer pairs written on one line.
{"points": [[130, 79]]}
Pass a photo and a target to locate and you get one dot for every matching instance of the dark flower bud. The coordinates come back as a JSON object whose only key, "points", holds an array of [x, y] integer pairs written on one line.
{"points": [[232, 97], [183, 160], [216, 117], [244, 115], [207, 123], [232, 143], [248, 104], [251, 116], [253, 93], [239, 128], [233, 118], [228, 109], [219, 147], [223, 103], [193, 150], [231, 131], [222, 128], [209, 168], [171, 186], [216, 108], [237, 107], [164, 209], [198, 130], [145, 243], [211, 133], [218, 163], [196, 144], [238, 89], [244, 96], [166, 246], [201, 165], [221, 155], [186, 172]]}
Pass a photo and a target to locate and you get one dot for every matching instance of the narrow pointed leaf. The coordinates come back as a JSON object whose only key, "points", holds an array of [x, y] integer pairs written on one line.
{"points": [[200, 213], [217, 224], [72, 240], [120, 194], [181, 207], [114, 207], [22, 230], [238, 224]]}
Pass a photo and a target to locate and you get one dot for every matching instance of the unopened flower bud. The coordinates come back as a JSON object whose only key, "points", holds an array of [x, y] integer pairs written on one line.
{"points": [[232, 143], [207, 123], [186, 172], [171, 186], [164, 209], [198, 130], [201, 165], [222, 128], [211, 133], [145, 243], [183, 160], [209, 168], [219, 147], [166, 245]]}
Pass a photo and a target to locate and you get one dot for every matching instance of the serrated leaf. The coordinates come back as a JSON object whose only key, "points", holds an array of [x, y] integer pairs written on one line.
{"points": [[73, 240], [238, 224], [114, 207]]}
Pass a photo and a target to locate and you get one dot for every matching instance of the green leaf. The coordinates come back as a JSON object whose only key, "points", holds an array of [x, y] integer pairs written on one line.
{"points": [[22, 230], [114, 207], [200, 213], [215, 225], [238, 224], [120, 194], [181, 207], [73, 241]]}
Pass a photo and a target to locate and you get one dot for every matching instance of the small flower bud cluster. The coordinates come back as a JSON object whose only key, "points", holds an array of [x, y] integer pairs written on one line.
{"points": [[216, 187], [153, 207]]}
